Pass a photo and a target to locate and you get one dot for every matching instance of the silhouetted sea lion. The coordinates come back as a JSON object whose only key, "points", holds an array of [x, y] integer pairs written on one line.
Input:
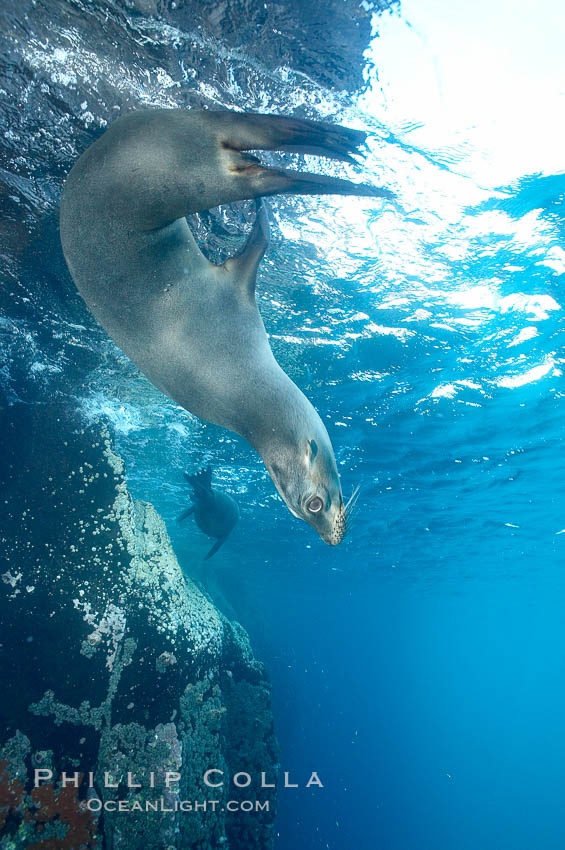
{"points": [[192, 327], [216, 513]]}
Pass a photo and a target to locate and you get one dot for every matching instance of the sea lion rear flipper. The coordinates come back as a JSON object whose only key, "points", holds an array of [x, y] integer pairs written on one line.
{"points": [[245, 264], [215, 547], [285, 182], [240, 132], [254, 131], [201, 480], [185, 514]]}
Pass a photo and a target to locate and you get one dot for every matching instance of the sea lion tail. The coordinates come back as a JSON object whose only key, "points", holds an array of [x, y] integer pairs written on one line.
{"points": [[201, 480]]}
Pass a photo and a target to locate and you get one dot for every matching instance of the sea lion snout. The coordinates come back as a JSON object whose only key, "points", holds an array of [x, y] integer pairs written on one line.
{"points": [[339, 528], [308, 481], [331, 523]]}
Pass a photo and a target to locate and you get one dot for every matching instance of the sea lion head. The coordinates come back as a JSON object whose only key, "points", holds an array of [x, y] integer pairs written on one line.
{"points": [[308, 481]]}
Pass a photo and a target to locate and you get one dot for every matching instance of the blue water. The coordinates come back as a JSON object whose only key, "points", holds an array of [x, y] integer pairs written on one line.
{"points": [[419, 668]]}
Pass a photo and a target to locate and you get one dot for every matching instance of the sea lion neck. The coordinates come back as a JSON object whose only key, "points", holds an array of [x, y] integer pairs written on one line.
{"points": [[283, 418]]}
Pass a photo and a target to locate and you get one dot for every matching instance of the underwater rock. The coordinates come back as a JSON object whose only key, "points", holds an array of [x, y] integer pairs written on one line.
{"points": [[115, 661], [324, 39]]}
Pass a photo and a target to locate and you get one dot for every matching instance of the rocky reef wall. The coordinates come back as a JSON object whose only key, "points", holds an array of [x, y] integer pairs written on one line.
{"points": [[113, 661]]}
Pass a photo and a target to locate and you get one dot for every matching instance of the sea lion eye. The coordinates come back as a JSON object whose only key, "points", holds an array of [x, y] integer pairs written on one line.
{"points": [[315, 505]]}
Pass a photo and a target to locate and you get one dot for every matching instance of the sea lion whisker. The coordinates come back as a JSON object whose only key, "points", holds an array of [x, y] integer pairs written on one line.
{"points": [[354, 493], [352, 501], [352, 508], [350, 520]]}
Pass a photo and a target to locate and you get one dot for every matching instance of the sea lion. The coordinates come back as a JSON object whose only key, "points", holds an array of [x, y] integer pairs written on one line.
{"points": [[192, 327], [216, 513]]}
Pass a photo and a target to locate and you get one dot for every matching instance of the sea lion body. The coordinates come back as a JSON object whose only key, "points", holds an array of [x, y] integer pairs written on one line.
{"points": [[216, 513], [192, 327]]}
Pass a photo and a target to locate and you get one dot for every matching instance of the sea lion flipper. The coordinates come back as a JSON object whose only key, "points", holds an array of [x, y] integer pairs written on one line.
{"points": [[286, 182], [215, 548], [185, 514], [254, 131], [244, 265], [201, 480], [240, 132]]}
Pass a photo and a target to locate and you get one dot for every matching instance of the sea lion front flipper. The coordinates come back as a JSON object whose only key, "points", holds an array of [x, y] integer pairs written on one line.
{"points": [[215, 547], [245, 264], [185, 514]]}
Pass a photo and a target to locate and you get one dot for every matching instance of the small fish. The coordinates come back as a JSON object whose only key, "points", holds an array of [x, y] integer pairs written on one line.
{"points": [[215, 513]]}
